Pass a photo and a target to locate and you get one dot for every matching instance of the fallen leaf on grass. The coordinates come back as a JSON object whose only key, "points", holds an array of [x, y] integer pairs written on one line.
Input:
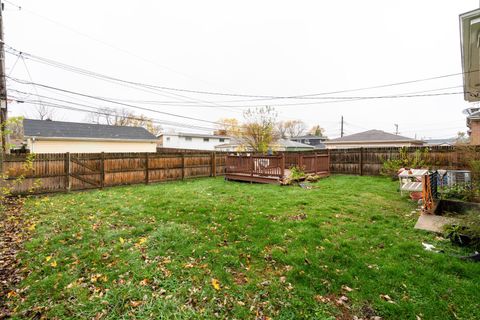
{"points": [[54, 264], [342, 300], [48, 258], [347, 288], [320, 298], [135, 303], [387, 298], [215, 284], [141, 241], [144, 282], [122, 241]]}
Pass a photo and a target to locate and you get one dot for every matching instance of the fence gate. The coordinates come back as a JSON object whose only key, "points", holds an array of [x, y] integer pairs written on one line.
{"points": [[84, 171]]}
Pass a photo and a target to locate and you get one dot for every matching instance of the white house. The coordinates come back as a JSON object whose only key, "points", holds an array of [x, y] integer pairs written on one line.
{"points": [[194, 141], [46, 136]]}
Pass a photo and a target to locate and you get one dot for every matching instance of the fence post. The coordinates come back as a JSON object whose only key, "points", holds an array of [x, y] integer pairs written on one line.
{"points": [[213, 170], [315, 163], [147, 175], [67, 171], [252, 165], [183, 166], [330, 166], [102, 170], [282, 164], [361, 161]]}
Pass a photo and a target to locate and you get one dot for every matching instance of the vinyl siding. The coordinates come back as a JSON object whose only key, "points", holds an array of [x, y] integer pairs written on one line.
{"points": [[62, 146]]}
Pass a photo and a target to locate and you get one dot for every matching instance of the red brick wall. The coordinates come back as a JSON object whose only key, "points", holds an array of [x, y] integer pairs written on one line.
{"points": [[475, 132]]}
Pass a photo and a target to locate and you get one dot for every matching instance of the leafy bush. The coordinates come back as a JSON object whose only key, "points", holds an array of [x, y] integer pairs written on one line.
{"points": [[466, 232], [464, 192], [296, 173], [416, 160]]}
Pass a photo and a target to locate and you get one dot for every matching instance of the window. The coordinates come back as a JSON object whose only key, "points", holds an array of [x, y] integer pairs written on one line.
{"points": [[188, 138], [206, 139], [222, 139]]}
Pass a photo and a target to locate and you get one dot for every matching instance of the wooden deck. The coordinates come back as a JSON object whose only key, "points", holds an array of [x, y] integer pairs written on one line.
{"points": [[274, 169]]}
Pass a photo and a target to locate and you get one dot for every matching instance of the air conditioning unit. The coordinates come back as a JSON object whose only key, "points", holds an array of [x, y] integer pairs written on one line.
{"points": [[458, 177]]}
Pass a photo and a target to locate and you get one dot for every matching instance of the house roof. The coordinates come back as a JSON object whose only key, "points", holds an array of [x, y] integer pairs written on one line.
{"points": [[198, 135], [293, 144], [309, 136], [372, 136], [75, 130], [280, 143], [441, 142]]}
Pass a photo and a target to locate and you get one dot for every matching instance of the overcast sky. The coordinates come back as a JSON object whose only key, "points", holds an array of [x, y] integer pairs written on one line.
{"points": [[269, 48]]}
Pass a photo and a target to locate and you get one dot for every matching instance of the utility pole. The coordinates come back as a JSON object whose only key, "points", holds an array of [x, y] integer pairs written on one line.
{"points": [[341, 127], [396, 129], [3, 92]]}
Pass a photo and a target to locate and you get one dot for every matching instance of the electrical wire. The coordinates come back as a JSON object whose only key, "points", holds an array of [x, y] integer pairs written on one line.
{"points": [[111, 101], [315, 96]]}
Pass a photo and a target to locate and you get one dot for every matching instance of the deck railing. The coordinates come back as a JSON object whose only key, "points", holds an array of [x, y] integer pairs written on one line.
{"points": [[271, 166], [275, 166]]}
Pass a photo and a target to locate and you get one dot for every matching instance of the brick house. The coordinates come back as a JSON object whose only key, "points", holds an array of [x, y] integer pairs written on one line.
{"points": [[469, 33]]}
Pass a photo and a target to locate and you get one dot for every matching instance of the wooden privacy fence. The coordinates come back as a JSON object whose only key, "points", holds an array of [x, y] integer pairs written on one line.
{"points": [[369, 161], [80, 171]]}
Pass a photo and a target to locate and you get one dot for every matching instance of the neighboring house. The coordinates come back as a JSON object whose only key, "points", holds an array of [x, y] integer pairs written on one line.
{"points": [[310, 139], [441, 142], [372, 138], [46, 136], [281, 145], [470, 39], [191, 141], [473, 124]]}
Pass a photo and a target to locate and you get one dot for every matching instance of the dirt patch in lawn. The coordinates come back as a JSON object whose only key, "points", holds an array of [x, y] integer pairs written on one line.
{"points": [[14, 230]]}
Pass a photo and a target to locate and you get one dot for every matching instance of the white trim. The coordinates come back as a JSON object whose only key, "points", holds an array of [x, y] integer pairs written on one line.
{"points": [[91, 139]]}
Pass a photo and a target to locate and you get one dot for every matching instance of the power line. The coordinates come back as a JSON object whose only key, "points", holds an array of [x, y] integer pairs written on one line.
{"points": [[339, 99], [120, 82], [111, 101], [265, 97], [105, 43], [102, 112]]}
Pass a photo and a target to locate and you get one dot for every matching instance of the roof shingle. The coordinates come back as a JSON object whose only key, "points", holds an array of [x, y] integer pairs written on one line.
{"points": [[60, 129], [371, 135]]}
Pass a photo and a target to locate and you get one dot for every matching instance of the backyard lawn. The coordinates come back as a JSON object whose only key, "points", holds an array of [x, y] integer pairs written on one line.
{"points": [[208, 248]]}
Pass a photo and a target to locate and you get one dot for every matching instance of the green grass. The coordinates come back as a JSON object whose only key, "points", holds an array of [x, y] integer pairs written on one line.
{"points": [[151, 252]]}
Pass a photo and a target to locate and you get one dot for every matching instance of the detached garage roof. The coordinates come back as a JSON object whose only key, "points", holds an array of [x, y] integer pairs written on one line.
{"points": [[74, 130], [372, 136]]}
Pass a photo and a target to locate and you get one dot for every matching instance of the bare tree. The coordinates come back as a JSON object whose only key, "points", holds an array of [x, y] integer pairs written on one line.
{"points": [[259, 128], [125, 118], [282, 129], [295, 128], [43, 112]]}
